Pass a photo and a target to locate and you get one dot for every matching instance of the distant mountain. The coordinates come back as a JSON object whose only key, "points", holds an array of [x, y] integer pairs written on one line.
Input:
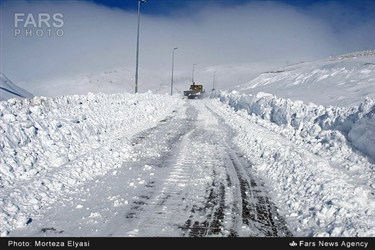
{"points": [[9, 90], [341, 80]]}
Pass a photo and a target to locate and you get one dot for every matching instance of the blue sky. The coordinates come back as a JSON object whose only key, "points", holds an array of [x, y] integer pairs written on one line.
{"points": [[167, 7]]}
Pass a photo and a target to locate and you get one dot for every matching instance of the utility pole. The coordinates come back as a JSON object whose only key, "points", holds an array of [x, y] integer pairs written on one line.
{"points": [[213, 81], [172, 70], [137, 53], [192, 78]]}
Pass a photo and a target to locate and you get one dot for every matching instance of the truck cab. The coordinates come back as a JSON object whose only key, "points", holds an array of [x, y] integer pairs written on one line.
{"points": [[196, 91]]}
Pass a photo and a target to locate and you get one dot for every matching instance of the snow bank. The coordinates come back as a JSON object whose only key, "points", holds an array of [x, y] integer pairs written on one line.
{"points": [[51, 145], [362, 134], [315, 160], [318, 182], [332, 127]]}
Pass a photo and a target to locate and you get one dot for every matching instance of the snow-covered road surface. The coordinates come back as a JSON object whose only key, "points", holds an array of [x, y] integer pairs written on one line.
{"points": [[153, 165], [187, 179]]}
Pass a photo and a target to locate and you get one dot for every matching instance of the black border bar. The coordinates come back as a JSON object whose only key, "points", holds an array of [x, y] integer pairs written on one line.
{"points": [[194, 243]]}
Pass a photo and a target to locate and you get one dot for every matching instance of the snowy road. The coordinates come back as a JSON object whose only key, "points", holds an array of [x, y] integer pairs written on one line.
{"points": [[185, 179], [245, 163]]}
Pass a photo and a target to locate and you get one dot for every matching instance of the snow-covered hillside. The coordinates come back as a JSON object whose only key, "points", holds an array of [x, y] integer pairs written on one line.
{"points": [[340, 80], [9, 90], [117, 80]]}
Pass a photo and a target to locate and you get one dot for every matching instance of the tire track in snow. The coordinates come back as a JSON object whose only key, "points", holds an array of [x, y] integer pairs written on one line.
{"points": [[258, 214], [200, 187], [209, 190]]}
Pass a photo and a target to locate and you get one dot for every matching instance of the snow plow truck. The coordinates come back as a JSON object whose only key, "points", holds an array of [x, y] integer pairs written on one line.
{"points": [[196, 91]]}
